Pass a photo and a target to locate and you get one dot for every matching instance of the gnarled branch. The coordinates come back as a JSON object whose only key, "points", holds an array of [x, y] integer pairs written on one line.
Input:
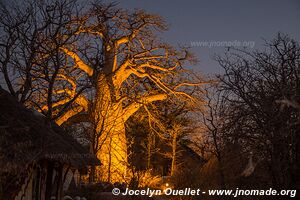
{"points": [[78, 61]]}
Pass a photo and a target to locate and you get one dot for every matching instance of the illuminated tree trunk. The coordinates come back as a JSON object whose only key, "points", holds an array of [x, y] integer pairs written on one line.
{"points": [[110, 124], [113, 152]]}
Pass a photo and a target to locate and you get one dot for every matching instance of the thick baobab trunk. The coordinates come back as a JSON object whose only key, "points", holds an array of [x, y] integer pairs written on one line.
{"points": [[113, 153], [110, 125]]}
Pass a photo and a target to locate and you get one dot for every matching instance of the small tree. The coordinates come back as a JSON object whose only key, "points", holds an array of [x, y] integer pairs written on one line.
{"points": [[212, 116]]}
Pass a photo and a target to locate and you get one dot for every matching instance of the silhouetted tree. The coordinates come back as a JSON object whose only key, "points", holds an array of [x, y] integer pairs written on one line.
{"points": [[212, 117], [256, 83]]}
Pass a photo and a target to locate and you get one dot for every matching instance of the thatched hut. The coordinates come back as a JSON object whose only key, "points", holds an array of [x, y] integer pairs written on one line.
{"points": [[35, 155]]}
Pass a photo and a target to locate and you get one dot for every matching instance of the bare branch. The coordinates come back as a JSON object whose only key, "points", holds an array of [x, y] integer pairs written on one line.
{"points": [[135, 106], [79, 63]]}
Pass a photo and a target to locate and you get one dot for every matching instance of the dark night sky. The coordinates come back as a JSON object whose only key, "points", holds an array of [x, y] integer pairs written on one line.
{"points": [[220, 20]]}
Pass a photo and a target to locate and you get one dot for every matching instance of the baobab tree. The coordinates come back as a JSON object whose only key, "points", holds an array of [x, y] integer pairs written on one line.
{"points": [[131, 58], [116, 55]]}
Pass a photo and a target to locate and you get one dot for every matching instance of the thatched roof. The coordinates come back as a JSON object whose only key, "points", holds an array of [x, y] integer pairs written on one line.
{"points": [[26, 138]]}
